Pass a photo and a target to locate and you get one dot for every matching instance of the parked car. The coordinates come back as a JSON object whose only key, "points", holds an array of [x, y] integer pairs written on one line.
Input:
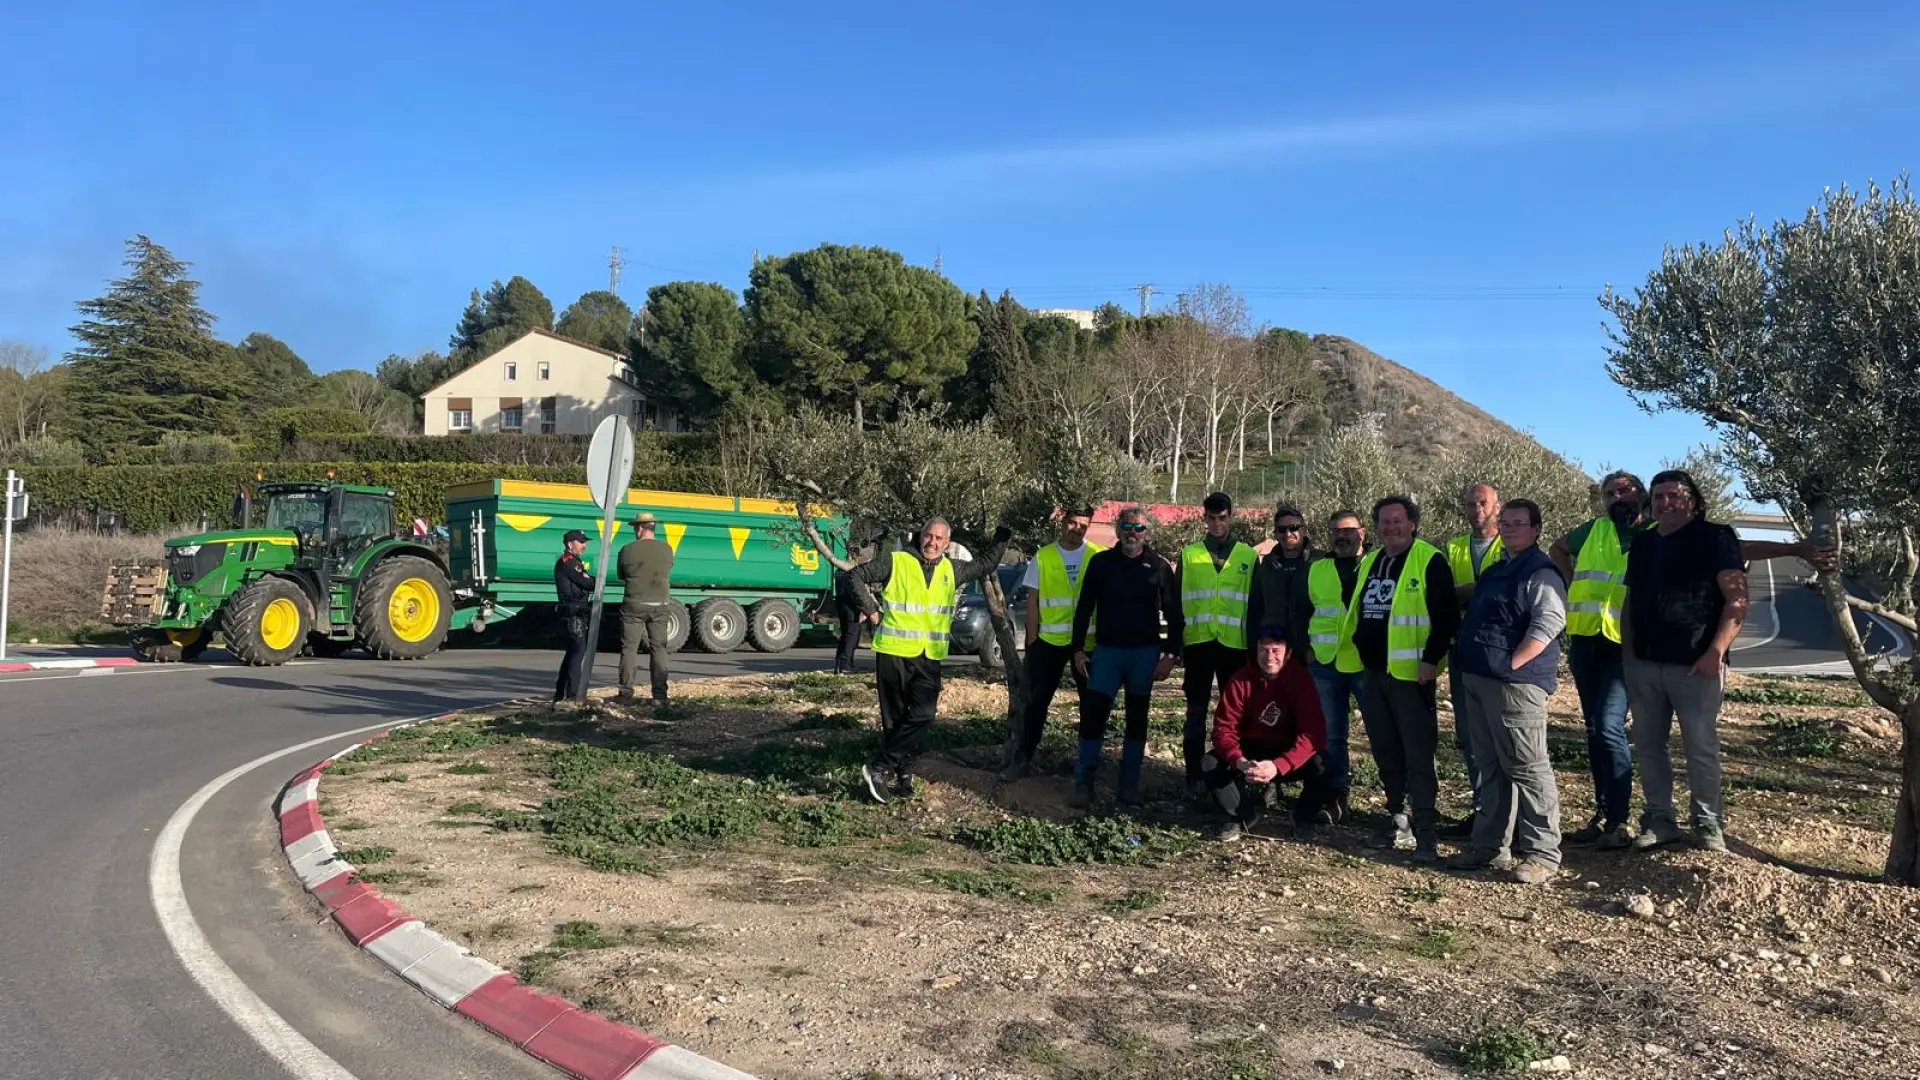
{"points": [[972, 628]]}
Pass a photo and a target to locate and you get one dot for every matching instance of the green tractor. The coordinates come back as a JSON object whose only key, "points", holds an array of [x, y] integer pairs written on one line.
{"points": [[325, 571]]}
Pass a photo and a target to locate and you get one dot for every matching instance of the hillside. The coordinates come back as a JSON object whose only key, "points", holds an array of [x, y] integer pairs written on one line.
{"points": [[1418, 414]]}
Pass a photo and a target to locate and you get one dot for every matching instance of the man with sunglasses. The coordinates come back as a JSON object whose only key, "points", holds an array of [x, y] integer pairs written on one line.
{"points": [[1214, 576], [1278, 598], [1130, 591], [1333, 662]]}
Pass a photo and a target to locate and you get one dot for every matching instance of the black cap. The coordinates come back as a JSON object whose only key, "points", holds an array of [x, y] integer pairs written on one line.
{"points": [[575, 534], [1218, 503]]}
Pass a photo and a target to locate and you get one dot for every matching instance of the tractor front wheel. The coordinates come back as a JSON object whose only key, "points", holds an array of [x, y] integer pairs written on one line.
{"points": [[171, 646], [403, 608], [266, 622]]}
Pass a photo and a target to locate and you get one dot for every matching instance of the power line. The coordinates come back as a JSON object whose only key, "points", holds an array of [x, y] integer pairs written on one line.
{"points": [[1491, 293]]}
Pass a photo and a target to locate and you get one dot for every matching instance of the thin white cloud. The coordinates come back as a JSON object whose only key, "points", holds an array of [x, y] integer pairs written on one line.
{"points": [[1036, 167]]}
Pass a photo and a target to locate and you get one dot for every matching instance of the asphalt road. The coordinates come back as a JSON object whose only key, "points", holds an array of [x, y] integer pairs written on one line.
{"points": [[95, 764], [1789, 629]]}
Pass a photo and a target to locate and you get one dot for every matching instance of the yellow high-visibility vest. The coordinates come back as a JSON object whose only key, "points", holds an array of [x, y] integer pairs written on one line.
{"points": [[1214, 603], [1408, 624], [1327, 630], [1599, 586], [1460, 559], [1058, 595], [916, 616]]}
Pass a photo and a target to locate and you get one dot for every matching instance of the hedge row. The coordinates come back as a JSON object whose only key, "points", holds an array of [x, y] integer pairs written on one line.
{"points": [[158, 497], [655, 448]]}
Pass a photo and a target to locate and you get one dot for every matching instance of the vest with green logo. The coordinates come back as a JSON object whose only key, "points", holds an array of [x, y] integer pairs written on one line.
{"points": [[1327, 630], [1599, 585], [1214, 603], [1057, 594], [1408, 624], [916, 616]]}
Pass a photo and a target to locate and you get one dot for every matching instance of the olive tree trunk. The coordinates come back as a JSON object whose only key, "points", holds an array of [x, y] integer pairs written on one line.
{"points": [[1015, 671]]}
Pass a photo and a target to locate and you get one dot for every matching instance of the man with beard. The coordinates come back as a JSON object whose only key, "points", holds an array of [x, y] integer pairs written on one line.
{"points": [[1331, 658], [912, 618], [1468, 556], [1593, 558]]}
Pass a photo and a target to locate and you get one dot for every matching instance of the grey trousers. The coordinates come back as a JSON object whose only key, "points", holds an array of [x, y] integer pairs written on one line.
{"points": [[1656, 693], [1403, 727], [644, 630], [1518, 799]]}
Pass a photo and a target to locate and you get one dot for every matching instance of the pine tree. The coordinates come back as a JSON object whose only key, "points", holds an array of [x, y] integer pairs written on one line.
{"points": [[147, 361]]}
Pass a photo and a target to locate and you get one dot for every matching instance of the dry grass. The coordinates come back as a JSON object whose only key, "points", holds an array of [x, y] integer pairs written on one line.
{"points": [[58, 574]]}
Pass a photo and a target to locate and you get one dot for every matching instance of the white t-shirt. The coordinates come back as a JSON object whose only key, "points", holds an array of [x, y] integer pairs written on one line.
{"points": [[1069, 559]]}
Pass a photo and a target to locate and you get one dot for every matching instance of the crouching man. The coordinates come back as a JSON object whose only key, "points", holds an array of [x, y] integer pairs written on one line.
{"points": [[1267, 731]]}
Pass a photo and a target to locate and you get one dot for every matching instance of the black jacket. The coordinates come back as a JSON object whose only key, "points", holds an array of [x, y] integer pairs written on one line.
{"points": [[572, 585], [1278, 598], [1127, 600], [868, 580]]}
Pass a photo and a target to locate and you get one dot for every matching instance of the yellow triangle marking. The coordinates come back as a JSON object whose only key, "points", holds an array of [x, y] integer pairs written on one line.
{"points": [[522, 522], [675, 531], [739, 535]]}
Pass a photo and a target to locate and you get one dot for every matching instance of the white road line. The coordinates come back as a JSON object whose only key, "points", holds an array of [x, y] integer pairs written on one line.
{"points": [[1773, 610], [143, 669], [277, 1037]]}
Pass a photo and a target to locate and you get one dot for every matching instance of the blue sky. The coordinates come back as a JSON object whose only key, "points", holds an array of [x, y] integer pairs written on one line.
{"points": [[1451, 188]]}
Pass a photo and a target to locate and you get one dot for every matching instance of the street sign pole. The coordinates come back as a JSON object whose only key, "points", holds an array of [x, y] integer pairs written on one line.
{"points": [[14, 503], [609, 471]]}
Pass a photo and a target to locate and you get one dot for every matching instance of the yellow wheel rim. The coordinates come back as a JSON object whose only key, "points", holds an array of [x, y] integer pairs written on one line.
{"points": [[279, 624], [182, 638], [413, 610]]}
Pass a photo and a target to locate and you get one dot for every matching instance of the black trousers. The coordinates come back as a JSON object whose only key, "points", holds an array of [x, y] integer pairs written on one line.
{"points": [[573, 675], [1045, 663], [1249, 799], [1403, 727], [850, 628], [1207, 664], [909, 694]]}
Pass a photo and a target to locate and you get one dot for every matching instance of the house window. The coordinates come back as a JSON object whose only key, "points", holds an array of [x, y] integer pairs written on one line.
{"points": [[549, 416], [510, 418], [513, 371], [459, 419], [544, 371]]}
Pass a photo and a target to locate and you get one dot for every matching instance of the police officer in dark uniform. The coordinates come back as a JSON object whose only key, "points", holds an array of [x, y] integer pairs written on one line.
{"points": [[574, 589]]}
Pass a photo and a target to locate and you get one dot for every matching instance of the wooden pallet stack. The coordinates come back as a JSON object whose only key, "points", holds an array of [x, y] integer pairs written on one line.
{"points": [[136, 592]]}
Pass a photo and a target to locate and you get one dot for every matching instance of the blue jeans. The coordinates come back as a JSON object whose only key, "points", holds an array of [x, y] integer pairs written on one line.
{"points": [[1109, 667], [1599, 676], [1338, 693]]}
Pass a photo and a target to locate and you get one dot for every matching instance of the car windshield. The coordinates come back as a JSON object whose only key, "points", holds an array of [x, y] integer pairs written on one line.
{"points": [[303, 510], [1009, 581]]}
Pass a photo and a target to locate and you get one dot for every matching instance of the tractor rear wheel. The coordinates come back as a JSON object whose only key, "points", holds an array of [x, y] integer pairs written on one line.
{"points": [[719, 625], [171, 646], [403, 608], [773, 625], [266, 622]]}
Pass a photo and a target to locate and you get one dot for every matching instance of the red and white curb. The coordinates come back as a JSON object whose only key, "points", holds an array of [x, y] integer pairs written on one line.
{"points": [[66, 664], [580, 1043]]}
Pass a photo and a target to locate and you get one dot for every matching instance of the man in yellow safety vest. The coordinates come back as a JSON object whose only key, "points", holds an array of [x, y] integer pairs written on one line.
{"points": [[1333, 662], [1402, 621], [1468, 555], [912, 618], [1052, 585], [1214, 576]]}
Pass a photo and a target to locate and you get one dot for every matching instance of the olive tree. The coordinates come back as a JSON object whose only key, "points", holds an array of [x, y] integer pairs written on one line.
{"points": [[1799, 342], [1518, 467]]}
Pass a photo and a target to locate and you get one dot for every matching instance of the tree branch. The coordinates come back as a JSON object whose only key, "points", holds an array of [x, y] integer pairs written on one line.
{"points": [[1827, 532], [1898, 618], [804, 512]]}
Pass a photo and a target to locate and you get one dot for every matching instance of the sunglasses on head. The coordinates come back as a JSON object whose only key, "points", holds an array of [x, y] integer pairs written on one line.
{"points": [[1132, 526]]}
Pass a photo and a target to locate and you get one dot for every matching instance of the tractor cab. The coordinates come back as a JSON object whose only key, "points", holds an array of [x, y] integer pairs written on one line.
{"points": [[332, 524]]}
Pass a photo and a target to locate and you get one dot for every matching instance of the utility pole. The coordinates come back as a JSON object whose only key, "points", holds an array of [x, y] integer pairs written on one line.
{"points": [[936, 260], [616, 261], [1145, 291]]}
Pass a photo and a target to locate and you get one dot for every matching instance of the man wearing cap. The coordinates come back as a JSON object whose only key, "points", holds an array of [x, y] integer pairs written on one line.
{"points": [[573, 588], [912, 617], [645, 565], [1214, 575]]}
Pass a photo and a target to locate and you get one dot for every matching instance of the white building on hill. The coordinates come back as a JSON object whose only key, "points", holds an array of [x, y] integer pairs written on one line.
{"points": [[543, 384]]}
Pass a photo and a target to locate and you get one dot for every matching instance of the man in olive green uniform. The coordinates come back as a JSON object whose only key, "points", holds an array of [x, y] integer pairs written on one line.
{"points": [[645, 565]]}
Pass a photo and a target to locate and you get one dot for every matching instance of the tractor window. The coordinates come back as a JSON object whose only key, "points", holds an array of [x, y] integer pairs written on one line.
{"points": [[365, 516], [304, 511]]}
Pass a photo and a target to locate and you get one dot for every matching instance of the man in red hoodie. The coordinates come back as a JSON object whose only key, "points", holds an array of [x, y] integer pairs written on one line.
{"points": [[1268, 730]]}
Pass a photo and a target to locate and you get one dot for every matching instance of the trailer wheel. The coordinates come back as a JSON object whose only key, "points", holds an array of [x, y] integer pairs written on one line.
{"points": [[719, 625], [266, 622], [171, 646], [679, 626], [402, 609], [773, 625]]}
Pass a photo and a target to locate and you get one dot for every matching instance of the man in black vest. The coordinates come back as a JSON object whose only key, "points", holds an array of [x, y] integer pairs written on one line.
{"points": [[1507, 655], [573, 589]]}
